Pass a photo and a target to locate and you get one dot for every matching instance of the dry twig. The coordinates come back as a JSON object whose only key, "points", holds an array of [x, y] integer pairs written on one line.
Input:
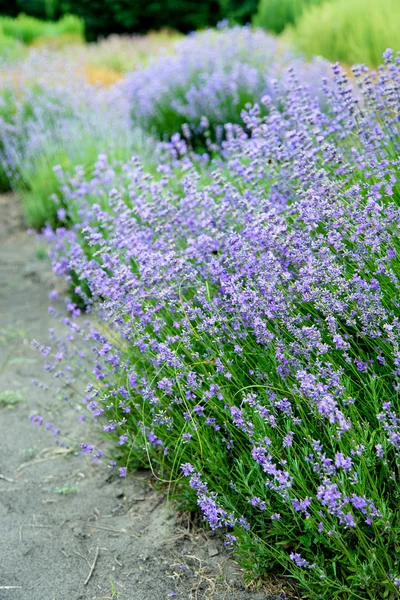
{"points": [[84, 557], [10, 587], [57, 454], [111, 529], [92, 567]]}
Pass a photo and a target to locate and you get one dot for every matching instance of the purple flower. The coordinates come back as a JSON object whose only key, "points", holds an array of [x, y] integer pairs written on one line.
{"points": [[298, 560], [87, 448], [230, 539], [348, 520], [187, 469], [61, 214], [343, 462], [301, 505], [288, 439]]}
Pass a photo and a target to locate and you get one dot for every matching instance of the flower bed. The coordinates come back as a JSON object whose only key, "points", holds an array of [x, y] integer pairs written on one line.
{"points": [[247, 346]]}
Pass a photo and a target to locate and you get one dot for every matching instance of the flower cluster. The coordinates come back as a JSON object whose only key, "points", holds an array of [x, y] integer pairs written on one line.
{"points": [[248, 326]]}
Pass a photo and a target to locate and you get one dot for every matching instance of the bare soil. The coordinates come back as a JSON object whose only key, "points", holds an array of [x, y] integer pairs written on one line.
{"points": [[70, 529]]}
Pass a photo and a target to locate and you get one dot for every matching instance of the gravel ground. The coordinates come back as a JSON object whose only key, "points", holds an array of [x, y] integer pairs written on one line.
{"points": [[69, 529]]}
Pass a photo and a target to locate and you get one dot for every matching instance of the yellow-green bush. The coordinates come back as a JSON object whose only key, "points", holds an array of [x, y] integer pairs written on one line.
{"points": [[28, 29], [350, 31], [275, 15]]}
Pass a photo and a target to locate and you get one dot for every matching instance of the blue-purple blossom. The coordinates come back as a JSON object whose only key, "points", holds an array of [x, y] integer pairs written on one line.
{"points": [[299, 561]]}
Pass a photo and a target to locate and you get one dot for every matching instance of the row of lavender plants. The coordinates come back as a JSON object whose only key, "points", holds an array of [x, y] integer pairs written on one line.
{"points": [[247, 337], [49, 113]]}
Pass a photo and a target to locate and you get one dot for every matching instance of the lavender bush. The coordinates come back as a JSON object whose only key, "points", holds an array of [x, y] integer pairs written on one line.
{"points": [[247, 345], [209, 81]]}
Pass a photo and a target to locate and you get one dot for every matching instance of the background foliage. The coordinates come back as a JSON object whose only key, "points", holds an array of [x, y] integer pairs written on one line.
{"points": [[103, 17], [350, 31], [275, 15]]}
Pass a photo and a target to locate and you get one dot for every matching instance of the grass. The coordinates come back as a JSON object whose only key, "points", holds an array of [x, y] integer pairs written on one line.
{"points": [[114, 593], [9, 398], [67, 489], [42, 253], [11, 333]]}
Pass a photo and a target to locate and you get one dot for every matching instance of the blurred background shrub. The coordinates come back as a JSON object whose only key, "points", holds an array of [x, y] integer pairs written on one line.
{"points": [[350, 31], [102, 17], [345, 30], [275, 15], [124, 53], [27, 29]]}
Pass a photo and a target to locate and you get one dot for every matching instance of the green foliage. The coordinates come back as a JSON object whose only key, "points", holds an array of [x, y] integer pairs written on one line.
{"points": [[117, 16], [9, 398], [41, 9], [7, 110], [102, 17], [275, 15], [238, 11], [28, 29], [8, 8], [67, 489], [351, 31]]}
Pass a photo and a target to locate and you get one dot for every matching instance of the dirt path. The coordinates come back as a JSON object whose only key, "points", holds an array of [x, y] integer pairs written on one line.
{"points": [[63, 518]]}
